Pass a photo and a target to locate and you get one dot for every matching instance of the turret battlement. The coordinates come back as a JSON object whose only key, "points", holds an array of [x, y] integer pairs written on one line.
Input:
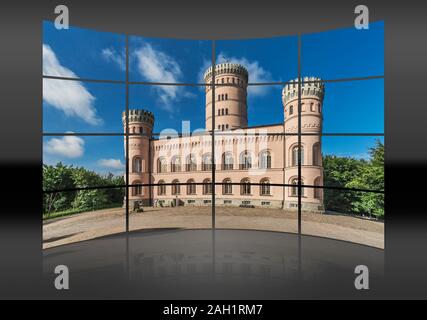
{"points": [[311, 87], [139, 115], [226, 68]]}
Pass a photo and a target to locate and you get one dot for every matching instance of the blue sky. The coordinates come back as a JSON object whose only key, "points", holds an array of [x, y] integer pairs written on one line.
{"points": [[78, 106]]}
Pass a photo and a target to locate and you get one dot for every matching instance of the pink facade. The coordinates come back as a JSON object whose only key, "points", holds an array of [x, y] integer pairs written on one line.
{"points": [[248, 155]]}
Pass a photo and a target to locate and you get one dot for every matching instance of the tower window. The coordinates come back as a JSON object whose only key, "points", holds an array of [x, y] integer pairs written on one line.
{"points": [[137, 189], [312, 107], [137, 164], [317, 191], [222, 111], [226, 111], [295, 154], [316, 154], [219, 112], [226, 126], [226, 96], [291, 110], [294, 188]]}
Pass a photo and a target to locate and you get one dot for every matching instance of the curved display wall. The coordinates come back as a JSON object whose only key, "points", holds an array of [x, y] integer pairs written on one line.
{"points": [[281, 134]]}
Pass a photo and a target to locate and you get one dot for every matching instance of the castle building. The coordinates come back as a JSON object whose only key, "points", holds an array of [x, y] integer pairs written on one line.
{"points": [[257, 157]]}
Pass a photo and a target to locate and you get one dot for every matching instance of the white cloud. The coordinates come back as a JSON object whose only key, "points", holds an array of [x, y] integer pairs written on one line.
{"points": [[156, 66], [69, 96], [67, 146], [115, 164], [110, 54]]}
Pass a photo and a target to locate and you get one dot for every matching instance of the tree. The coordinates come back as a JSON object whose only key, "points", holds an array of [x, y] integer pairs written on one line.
{"points": [[338, 172], [61, 177], [370, 177], [57, 177]]}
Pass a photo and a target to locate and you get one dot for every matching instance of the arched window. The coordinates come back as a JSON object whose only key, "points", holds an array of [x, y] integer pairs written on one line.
{"points": [[245, 187], [316, 154], [207, 186], [223, 127], [291, 110], [226, 96], [245, 160], [137, 164], [227, 161], [317, 191], [265, 187], [207, 162], [294, 188], [226, 126], [176, 188], [191, 187], [176, 164], [219, 112], [312, 107], [226, 111], [219, 96], [222, 111], [227, 187], [161, 188], [265, 160], [295, 154], [137, 190], [191, 164], [162, 165]]}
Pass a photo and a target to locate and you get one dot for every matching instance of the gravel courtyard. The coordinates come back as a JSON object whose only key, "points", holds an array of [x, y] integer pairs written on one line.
{"points": [[89, 225]]}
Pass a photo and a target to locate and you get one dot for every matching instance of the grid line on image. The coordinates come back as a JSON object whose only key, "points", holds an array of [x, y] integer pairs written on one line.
{"points": [[213, 183], [209, 183], [189, 84]]}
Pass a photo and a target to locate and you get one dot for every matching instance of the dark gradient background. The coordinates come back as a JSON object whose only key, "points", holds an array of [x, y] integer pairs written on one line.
{"points": [[21, 260]]}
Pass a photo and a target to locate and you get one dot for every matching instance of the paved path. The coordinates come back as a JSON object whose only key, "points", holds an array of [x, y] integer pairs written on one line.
{"points": [[94, 224]]}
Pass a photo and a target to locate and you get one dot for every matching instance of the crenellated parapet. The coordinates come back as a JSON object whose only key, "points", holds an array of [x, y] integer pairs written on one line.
{"points": [[139, 115], [227, 68], [311, 87]]}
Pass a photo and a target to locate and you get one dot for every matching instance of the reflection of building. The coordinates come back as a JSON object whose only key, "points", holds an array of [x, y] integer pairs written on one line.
{"points": [[242, 154]]}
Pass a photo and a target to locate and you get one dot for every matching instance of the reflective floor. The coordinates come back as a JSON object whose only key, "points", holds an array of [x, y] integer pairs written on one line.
{"points": [[206, 264]]}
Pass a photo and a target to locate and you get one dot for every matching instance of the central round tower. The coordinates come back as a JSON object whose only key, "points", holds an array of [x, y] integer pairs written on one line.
{"points": [[231, 80]]}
